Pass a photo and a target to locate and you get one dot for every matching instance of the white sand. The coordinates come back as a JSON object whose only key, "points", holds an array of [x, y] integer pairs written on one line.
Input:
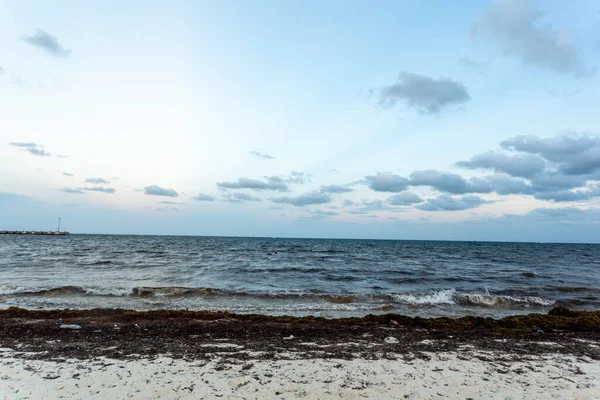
{"points": [[463, 375]]}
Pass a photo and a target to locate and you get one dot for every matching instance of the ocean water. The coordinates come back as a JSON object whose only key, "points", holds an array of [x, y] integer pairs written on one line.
{"points": [[330, 278]]}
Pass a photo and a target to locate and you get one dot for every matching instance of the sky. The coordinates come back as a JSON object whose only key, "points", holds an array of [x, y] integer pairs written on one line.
{"points": [[474, 120]]}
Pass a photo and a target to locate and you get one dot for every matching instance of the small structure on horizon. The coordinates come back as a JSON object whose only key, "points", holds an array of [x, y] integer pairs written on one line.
{"points": [[54, 233]]}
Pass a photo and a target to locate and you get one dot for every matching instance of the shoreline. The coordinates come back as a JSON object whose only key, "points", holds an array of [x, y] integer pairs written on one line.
{"points": [[187, 354], [186, 333]]}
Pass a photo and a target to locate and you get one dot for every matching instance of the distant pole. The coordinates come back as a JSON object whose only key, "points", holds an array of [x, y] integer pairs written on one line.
{"points": [[59, 218]]}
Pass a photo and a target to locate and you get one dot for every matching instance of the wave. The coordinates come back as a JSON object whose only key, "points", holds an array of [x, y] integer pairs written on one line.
{"points": [[101, 262], [57, 291], [178, 292], [440, 297], [529, 275], [169, 292], [486, 299]]}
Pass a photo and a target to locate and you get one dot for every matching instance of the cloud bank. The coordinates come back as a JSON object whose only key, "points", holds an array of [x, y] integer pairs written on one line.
{"points": [[303, 200], [447, 203], [270, 183]]}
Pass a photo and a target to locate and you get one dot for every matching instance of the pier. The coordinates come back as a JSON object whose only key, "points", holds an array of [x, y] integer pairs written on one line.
{"points": [[55, 233]]}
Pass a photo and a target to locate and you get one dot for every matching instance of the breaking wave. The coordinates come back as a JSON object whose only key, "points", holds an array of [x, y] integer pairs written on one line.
{"points": [[441, 297], [486, 299]]}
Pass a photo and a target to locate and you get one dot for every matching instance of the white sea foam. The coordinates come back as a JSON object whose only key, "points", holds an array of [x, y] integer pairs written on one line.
{"points": [[451, 296], [10, 289], [118, 291], [440, 297], [218, 299]]}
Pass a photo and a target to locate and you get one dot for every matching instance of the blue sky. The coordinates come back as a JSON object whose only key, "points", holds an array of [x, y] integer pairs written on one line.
{"points": [[401, 120]]}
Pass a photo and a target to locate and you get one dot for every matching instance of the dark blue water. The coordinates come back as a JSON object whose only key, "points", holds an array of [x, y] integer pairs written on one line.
{"points": [[297, 276]]}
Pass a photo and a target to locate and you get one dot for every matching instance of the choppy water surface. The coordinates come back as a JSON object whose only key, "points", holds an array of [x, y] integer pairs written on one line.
{"points": [[297, 276]]}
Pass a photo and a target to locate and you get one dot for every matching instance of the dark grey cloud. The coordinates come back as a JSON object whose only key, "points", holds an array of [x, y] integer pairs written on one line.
{"points": [[108, 190], [556, 169], [71, 190], [547, 186], [67, 174], [474, 66], [33, 148], [299, 178], [404, 199], [170, 202], [98, 181], [447, 203], [306, 199], [349, 203], [155, 190], [563, 195], [425, 94], [335, 189], [506, 185], [48, 43], [520, 165], [203, 197], [260, 155], [386, 182], [569, 195], [557, 180], [239, 198], [558, 148], [271, 183], [576, 154], [449, 183], [516, 29]]}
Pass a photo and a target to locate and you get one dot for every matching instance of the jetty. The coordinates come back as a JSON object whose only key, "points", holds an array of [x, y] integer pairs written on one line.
{"points": [[54, 233], [57, 232]]}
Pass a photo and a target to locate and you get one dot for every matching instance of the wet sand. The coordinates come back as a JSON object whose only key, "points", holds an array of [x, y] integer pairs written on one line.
{"points": [[126, 354]]}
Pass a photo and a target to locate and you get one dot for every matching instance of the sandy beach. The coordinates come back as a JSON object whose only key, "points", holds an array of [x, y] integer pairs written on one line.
{"points": [[119, 355], [457, 375]]}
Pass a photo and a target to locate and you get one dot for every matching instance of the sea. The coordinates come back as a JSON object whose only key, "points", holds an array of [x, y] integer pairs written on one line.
{"points": [[279, 276]]}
